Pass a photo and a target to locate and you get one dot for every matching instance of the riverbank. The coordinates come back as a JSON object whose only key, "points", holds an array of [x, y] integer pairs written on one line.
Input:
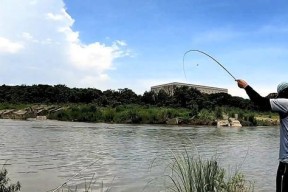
{"points": [[137, 114]]}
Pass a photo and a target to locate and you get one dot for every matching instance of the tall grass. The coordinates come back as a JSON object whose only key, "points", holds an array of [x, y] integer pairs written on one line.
{"points": [[120, 114], [190, 174], [13, 106]]}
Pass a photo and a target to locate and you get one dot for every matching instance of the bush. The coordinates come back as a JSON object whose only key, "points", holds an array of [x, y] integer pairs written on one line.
{"points": [[5, 185], [108, 114]]}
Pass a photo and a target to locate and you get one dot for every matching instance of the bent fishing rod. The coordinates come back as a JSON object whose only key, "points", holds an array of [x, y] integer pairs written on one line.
{"points": [[195, 50]]}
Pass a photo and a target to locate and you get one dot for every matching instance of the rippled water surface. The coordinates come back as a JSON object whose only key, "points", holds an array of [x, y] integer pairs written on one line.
{"points": [[127, 158]]}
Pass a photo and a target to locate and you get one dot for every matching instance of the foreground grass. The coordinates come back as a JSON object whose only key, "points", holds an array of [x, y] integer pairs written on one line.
{"points": [[190, 174], [5, 185]]}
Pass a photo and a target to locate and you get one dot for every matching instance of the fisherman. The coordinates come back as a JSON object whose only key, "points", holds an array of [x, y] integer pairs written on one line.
{"points": [[280, 105]]}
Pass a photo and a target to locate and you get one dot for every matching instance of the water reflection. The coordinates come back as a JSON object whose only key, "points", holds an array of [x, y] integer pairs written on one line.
{"points": [[45, 154]]}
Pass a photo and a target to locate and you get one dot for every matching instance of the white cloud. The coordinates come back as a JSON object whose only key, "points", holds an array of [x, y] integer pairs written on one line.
{"points": [[8, 46], [47, 50], [27, 36], [94, 56], [58, 17], [33, 2]]}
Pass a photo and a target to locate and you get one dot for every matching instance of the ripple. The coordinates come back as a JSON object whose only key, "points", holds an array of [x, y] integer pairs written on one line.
{"points": [[128, 156]]}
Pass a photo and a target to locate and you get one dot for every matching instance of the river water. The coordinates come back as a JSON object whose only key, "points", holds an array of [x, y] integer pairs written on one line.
{"points": [[43, 155]]}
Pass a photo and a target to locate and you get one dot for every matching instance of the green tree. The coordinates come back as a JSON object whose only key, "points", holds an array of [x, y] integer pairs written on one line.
{"points": [[148, 98], [127, 96], [162, 98], [188, 97]]}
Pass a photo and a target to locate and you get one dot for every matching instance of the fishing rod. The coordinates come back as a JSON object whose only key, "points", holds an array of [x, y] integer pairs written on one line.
{"points": [[195, 50]]}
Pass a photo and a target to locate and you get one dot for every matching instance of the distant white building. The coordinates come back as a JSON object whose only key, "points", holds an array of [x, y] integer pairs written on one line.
{"points": [[170, 87]]}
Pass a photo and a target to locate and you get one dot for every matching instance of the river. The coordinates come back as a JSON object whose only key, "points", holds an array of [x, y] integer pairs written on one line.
{"points": [[42, 155]]}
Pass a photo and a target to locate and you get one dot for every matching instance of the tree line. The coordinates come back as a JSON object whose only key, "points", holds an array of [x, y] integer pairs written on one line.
{"points": [[184, 97]]}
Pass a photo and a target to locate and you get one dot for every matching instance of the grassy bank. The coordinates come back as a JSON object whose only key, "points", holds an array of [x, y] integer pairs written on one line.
{"points": [[139, 114], [120, 114], [159, 115]]}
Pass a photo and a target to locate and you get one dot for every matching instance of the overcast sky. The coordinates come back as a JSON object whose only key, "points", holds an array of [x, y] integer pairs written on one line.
{"points": [[135, 44]]}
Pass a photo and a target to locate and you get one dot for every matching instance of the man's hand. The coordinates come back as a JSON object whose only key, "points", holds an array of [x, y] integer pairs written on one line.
{"points": [[242, 84]]}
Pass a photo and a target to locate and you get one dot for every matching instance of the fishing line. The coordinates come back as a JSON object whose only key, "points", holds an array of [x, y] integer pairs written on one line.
{"points": [[65, 183], [195, 50]]}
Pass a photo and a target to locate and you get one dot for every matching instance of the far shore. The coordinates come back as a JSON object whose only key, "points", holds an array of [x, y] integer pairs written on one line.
{"points": [[132, 114]]}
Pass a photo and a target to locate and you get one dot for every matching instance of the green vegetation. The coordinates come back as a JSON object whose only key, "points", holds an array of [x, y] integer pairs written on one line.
{"points": [[5, 185], [138, 114], [124, 106], [184, 97], [119, 114], [189, 174], [16, 106]]}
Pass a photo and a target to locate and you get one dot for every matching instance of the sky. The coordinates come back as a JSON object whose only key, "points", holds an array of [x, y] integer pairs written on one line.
{"points": [[114, 44]]}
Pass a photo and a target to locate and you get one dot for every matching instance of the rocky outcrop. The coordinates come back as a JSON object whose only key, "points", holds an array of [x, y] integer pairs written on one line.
{"points": [[41, 118], [173, 121], [223, 123], [35, 112], [229, 122], [234, 123]]}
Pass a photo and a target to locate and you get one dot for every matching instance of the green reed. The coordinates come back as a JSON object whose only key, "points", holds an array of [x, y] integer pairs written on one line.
{"points": [[193, 174]]}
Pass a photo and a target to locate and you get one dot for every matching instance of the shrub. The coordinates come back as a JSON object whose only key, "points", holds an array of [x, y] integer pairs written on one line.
{"points": [[5, 185], [108, 114]]}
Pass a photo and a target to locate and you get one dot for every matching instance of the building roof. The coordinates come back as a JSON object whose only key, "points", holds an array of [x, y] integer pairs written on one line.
{"points": [[187, 84]]}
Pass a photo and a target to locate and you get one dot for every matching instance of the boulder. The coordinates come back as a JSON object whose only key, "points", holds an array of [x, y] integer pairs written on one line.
{"points": [[223, 123], [173, 121], [235, 123]]}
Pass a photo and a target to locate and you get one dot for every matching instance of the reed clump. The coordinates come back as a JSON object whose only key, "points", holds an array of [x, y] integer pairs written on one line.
{"points": [[190, 174]]}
